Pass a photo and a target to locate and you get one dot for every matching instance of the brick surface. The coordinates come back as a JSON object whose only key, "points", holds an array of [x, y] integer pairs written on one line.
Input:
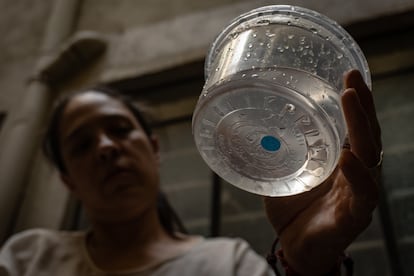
{"points": [[254, 229], [395, 105], [185, 169], [398, 127], [370, 260], [391, 93], [191, 203], [397, 171], [236, 201], [407, 256], [403, 213], [177, 136]]}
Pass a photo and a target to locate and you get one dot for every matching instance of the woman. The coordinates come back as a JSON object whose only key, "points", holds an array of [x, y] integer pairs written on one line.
{"points": [[109, 159]]}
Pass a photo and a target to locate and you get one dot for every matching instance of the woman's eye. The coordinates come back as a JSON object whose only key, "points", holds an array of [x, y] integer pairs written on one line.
{"points": [[81, 146], [120, 130]]}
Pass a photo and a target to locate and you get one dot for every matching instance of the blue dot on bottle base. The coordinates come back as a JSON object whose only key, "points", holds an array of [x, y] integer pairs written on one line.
{"points": [[270, 143]]}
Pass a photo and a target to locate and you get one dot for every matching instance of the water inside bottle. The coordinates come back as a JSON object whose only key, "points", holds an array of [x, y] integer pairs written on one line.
{"points": [[272, 131]]}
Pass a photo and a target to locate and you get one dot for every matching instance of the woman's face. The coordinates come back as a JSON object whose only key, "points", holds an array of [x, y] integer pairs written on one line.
{"points": [[111, 163]]}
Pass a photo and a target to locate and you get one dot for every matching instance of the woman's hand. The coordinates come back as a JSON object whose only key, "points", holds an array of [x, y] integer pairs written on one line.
{"points": [[315, 227]]}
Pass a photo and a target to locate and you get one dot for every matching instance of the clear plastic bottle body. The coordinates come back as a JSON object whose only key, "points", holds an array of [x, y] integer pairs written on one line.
{"points": [[269, 118]]}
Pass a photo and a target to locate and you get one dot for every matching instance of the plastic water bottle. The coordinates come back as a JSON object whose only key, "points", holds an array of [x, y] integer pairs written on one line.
{"points": [[269, 118]]}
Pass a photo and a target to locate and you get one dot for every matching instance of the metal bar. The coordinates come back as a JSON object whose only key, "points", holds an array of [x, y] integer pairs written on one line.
{"points": [[215, 221], [389, 232]]}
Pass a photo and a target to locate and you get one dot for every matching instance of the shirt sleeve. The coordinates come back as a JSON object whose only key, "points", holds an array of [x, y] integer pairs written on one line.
{"points": [[14, 256], [21, 251]]}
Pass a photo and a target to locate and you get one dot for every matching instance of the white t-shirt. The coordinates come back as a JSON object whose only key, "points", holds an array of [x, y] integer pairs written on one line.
{"points": [[40, 252]]}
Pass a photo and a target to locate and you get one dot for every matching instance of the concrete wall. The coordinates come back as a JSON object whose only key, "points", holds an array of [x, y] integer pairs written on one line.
{"points": [[151, 43], [22, 25]]}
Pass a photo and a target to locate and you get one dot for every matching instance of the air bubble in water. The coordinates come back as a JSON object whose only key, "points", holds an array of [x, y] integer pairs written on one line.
{"points": [[263, 22], [314, 30], [290, 108], [234, 35]]}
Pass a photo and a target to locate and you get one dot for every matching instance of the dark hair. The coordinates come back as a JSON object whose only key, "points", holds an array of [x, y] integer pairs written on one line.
{"points": [[51, 148]]}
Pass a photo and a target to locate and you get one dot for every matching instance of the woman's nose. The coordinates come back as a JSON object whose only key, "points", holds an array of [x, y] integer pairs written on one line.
{"points": [[108, 149]]}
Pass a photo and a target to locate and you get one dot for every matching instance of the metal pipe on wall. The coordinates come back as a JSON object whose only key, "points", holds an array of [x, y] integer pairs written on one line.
{"points": [[20, 136]]}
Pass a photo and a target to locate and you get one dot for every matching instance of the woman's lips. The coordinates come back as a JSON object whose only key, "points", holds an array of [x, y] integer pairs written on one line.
{"points": [[119, 179]]}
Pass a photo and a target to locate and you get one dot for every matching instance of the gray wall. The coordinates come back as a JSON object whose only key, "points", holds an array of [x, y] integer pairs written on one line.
{"points": [[22, 25]]}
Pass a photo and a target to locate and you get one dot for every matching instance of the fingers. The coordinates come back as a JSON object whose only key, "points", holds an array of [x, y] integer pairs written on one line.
{"points": [[357, 174], [361, 137], [362, 183], [354, 79]]}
